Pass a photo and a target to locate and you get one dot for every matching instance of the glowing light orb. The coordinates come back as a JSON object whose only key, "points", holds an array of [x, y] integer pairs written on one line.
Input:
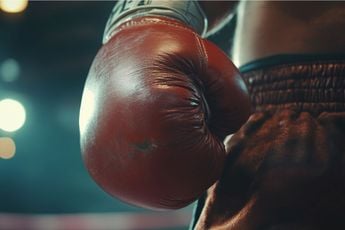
{"points": [[7, 148], [12, 115], [9, 70], [13, 6]]}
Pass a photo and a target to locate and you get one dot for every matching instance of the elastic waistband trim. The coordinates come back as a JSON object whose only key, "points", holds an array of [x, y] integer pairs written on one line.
{"points": [[284, 59], [309, 86]]}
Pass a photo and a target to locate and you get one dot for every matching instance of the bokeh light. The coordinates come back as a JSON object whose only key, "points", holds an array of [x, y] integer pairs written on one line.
{"points": [[12, 115], [13, 6], [9, 70], [7, 147]]}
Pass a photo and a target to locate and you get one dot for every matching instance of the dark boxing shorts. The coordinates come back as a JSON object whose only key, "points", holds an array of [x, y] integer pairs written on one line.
{"points": [[285, 167]]}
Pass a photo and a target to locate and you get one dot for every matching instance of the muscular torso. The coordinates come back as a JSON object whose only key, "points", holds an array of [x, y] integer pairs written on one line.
{"points": [[266, 28]]}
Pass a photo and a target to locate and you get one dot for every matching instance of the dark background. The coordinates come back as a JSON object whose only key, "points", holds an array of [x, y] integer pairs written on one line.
{"points": [[54, 44]]}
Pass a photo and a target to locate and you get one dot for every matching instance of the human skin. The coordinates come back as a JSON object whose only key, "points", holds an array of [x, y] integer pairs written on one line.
{"points": [[266, 28]]}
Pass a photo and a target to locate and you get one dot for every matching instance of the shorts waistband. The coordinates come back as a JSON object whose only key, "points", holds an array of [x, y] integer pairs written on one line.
{"points": [[283, 59], [313, 86]]}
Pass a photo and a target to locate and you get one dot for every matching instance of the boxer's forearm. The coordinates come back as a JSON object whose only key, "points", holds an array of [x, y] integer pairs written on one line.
{"points": [[218, 13]]}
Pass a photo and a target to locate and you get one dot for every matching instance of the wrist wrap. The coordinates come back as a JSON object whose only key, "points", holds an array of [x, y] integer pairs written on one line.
{"points": [[188, 12]]}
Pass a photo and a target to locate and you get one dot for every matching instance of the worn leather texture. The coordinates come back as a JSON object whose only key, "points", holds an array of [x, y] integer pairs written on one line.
{"points": [[285, 168], [163, 100]]}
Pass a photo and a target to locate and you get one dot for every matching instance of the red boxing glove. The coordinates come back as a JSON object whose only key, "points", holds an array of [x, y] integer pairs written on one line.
{"points": [[157, 104]]}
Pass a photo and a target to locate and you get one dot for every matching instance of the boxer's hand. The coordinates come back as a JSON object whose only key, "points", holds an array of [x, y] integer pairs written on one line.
{"points": [[156, 106]]}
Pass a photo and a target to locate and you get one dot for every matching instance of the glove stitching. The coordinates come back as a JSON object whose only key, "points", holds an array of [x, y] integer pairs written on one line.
{"points": [[203, 61]]}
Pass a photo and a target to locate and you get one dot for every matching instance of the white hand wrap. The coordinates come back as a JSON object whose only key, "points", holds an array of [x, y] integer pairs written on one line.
{"points": [[188, 12]]}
